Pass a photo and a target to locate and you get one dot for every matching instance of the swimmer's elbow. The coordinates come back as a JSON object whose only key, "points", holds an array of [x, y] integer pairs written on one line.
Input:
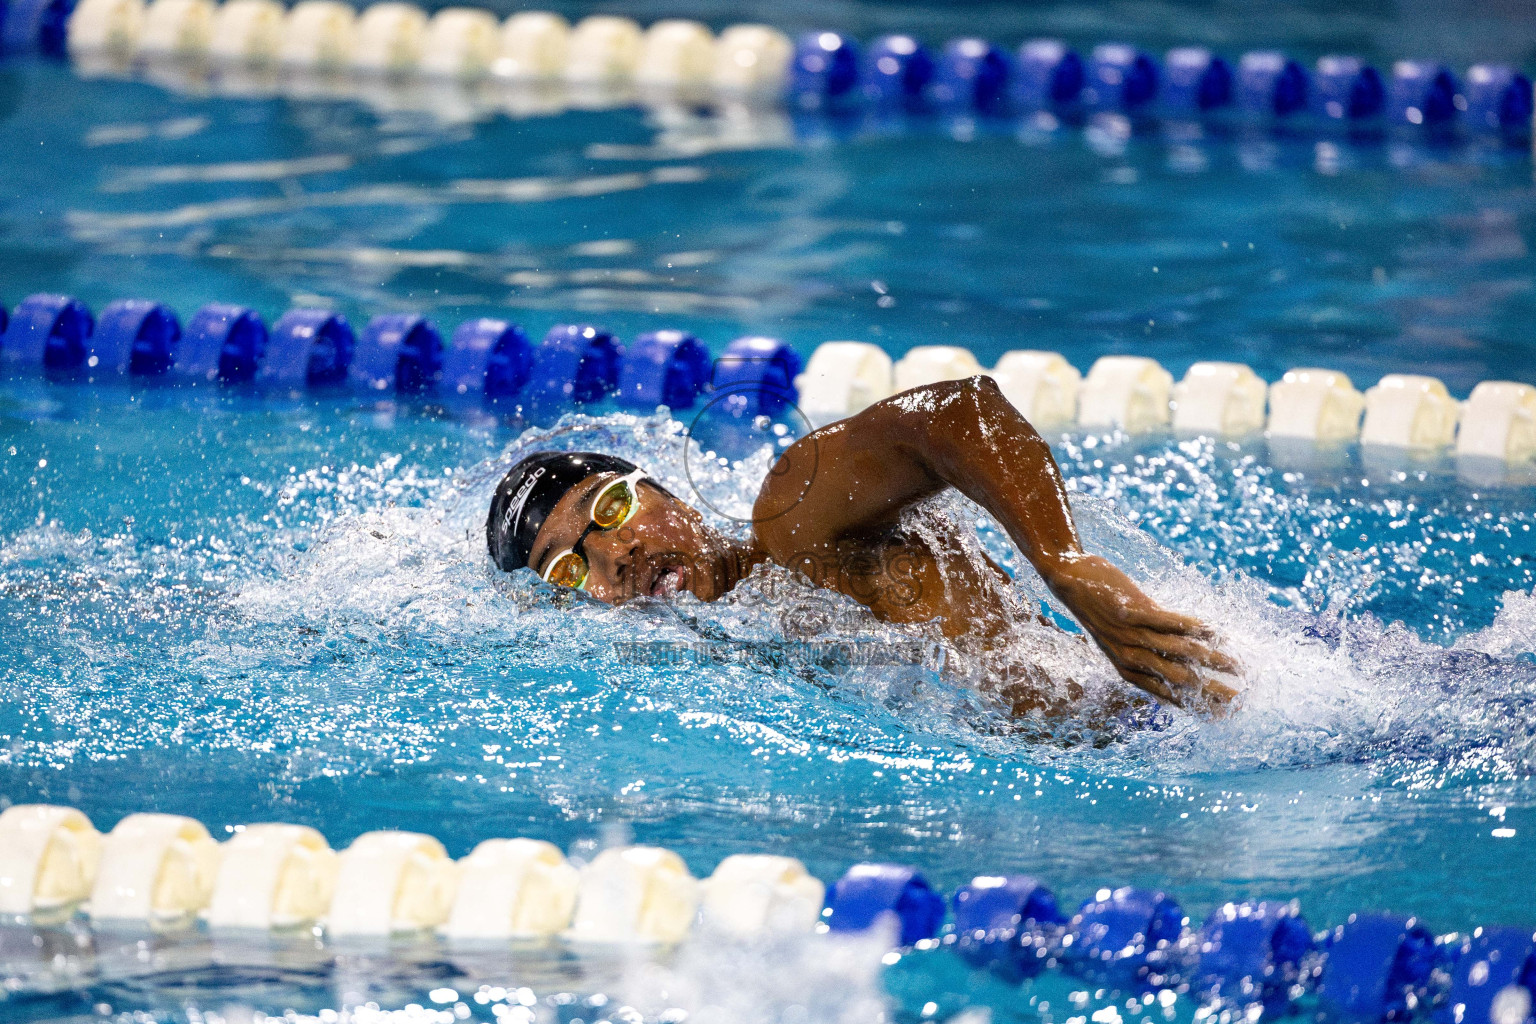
{"points": [[945, 392], [950, 410], [941, 403]]}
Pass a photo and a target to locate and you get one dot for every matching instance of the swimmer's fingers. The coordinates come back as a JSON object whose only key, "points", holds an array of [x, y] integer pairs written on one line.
{"points": [[1194, 653], [1213, 699], [1175, 647], [1220, 692], [1149, 662], [1180, 684], [1216, 699], [1148, 614], [1149, 683]]}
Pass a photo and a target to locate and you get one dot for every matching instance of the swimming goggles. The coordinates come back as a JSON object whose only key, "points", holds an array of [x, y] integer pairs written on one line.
{"points": [[614, 505]]}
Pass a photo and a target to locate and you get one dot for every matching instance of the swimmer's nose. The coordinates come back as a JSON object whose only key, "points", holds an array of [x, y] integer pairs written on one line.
{"points": [[612, 558]]}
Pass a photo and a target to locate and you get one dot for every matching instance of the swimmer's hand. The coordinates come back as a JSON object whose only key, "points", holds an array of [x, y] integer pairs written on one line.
{"points": [[1164, 653]]}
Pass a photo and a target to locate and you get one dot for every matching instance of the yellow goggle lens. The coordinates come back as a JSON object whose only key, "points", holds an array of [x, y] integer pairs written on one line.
{"points": [[615, 504], [569, 570]]}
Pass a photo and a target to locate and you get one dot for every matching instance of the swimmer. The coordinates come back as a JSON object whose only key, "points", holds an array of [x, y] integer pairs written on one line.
{"points": [[831, 508]]}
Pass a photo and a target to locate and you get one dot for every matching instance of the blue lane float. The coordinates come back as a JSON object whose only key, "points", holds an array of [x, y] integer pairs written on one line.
{"points": [[897, 70], [137, 337], [828, 72], [972, 74], [400, 352], [1251, 954], [49, 331], [1271, 84], [1005, 923], [492, 359], [1346, 89], [488, 357], [52, 32], [825, 70], [1047, 73], [1126, 937], [668, 368], [1377, 969], [1195, 80], [222, 342], [1492, 965], [868, 893], [574, 364], [1498, 100], [27, 25], [755, 376], [1120, 77], [1422, 92], [308, 348]]}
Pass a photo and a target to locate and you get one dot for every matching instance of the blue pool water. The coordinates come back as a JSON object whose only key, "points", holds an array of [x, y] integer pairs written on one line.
{"points": [[246, 607]]}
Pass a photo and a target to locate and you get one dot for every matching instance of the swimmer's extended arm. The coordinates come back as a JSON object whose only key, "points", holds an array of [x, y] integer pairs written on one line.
{"points": [[855, 477]]}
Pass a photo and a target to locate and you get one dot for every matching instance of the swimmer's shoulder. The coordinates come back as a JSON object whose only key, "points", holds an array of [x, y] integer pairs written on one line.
{"points": [[787, 516]]}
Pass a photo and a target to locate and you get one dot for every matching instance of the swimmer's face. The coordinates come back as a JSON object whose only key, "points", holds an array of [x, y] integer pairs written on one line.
{"points": [[664, 548]]}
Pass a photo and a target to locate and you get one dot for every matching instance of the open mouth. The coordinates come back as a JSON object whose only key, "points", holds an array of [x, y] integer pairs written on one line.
{"points": [[668, 581]]}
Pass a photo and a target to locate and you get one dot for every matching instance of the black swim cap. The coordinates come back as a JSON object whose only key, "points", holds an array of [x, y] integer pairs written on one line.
{"points": [[529, 493]]}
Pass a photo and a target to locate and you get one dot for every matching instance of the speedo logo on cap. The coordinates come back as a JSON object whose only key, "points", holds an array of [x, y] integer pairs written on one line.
{"points": [[515, 509]]}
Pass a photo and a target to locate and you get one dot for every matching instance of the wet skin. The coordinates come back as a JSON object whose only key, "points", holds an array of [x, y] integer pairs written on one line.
{"points": [[830, 508]]}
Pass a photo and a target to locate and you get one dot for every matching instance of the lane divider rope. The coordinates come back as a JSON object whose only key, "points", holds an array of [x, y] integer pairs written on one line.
{"points": [[490, 361], [822, 70], [165, 873]]}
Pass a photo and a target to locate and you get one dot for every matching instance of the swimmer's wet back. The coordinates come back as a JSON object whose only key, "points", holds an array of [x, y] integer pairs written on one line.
{"points": [[371, 645]]}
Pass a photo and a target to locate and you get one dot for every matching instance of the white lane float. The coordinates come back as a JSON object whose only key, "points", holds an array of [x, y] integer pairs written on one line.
{"points": [[1219, 399], [534, 44], [603, 48], [635, 894], [676, 53], [513, 888], [931, 364], [461, 42], [1043, 386], [247, 31], [48, 858], [1499, 422], [751, 59], [389, 882], [1409, 411], [1315, 405], [1129, 393], [390, 38], [177, 28], [842, 378], [319, 34], [156, 869], [272, 876], [98, 25], [753, 894]]}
